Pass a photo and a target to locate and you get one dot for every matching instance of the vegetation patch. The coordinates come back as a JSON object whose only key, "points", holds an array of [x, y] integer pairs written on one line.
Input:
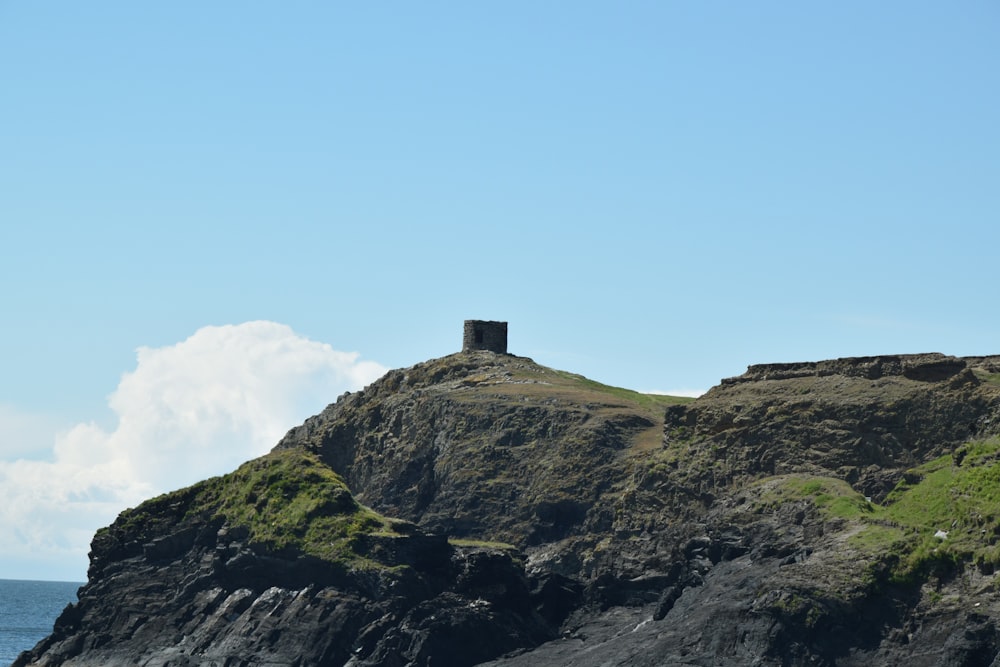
{"points": [[290, 500], [943, 514], [833, 497], [801, 607], [985, 376], [464, 543], [950, 510], [287, 501], [646, 401]]}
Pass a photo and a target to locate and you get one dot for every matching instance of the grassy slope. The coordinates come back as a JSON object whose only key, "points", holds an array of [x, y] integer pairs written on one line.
{"points": [[530, 380], [290, 500], [287, 501], [958, 494]]}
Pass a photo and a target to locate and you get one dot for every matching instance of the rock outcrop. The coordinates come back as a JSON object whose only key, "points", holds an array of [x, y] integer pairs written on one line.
{"points": [[482, 509], [189, 579]]}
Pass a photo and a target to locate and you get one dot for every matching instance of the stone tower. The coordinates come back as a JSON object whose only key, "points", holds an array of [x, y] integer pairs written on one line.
{"points": [[483, 335]]}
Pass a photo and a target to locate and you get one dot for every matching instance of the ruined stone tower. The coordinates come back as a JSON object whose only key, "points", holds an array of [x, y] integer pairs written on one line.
{"points": [[483, 335]]}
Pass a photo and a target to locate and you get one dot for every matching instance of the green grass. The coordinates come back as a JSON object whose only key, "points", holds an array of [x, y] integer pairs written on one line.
{"points": [[991, 378], [646, 401], [834, 497], [291, 501], [287, 501], [958, 494]]}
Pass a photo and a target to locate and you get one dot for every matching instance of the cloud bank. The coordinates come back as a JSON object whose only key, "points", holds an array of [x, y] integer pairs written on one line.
{"points": [[188, 411]]}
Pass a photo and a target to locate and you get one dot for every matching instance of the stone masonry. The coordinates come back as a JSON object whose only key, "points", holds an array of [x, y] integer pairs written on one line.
{"points": [[484, 335]]}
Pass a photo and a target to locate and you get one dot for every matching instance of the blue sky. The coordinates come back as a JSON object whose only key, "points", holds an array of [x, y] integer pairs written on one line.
{"points": [[653, 194]]}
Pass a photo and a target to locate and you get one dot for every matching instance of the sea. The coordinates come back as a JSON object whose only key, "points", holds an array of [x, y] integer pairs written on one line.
{"points": [[27, 611]]}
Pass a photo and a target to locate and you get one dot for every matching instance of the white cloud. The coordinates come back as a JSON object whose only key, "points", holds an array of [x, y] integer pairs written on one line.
{"points": [[24, 435], [188, 411]]}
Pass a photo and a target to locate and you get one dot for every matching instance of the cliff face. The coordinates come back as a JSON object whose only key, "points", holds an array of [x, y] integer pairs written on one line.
{"points": [[863, 419], [487, 446], [843, 512], [277, 564]]}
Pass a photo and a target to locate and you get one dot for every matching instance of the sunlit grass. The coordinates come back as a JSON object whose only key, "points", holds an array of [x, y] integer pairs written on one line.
{"points": [[946, 512], [286, 501]]}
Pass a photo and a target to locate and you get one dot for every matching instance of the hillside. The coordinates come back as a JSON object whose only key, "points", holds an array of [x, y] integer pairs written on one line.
{"points": [[483, 509]]}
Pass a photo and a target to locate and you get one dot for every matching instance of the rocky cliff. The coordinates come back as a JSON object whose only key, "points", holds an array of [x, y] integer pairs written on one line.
{"points": [[483, 509]]}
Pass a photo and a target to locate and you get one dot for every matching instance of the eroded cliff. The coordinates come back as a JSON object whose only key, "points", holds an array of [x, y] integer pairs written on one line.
{"points": [[842, 512]]}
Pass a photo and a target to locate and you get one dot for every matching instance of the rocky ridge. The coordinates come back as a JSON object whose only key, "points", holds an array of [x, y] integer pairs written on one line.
{"points": [[790, 516]]}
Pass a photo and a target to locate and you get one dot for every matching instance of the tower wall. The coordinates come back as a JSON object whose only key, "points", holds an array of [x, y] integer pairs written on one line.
{"points": [[484, 335]]}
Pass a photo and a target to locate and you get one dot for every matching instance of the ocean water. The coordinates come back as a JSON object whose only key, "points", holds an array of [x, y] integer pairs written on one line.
{"points": [[27, 611]]}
